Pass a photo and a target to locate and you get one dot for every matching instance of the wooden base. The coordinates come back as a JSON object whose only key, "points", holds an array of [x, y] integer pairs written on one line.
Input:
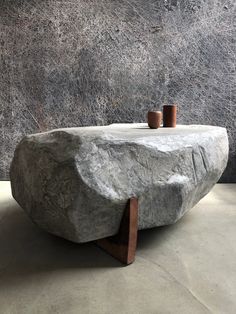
{"points": [[123, 245]]}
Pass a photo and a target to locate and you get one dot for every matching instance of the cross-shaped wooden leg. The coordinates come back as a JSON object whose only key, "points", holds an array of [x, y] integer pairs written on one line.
{"points": [[123, 245]]}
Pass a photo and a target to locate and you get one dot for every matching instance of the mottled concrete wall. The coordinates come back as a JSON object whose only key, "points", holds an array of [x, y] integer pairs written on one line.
{"points": [[82, 62]]}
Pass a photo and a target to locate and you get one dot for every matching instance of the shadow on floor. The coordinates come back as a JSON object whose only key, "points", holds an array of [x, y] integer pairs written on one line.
{"points": [[27, 250]]}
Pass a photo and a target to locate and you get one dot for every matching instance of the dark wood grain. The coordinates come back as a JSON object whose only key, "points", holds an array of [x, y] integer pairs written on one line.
{"points": [[123, 245]]}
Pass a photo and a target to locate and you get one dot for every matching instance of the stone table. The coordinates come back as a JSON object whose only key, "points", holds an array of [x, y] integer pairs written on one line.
{"points": [[75, 182]]}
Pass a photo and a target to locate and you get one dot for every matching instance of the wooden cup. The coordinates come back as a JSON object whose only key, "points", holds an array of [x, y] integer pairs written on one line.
{"points": [[154, 119], [169, 116]]}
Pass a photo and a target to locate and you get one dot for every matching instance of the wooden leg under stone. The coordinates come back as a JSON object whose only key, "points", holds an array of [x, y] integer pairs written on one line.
{"points": [[123, 245]]}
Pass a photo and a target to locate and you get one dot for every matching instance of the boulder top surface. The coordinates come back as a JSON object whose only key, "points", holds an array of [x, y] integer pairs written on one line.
{"points": [[164, 139], [135, 130]]}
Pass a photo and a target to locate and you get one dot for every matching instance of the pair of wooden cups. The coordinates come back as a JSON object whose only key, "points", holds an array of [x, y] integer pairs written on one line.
{"points": [[169, 117]]}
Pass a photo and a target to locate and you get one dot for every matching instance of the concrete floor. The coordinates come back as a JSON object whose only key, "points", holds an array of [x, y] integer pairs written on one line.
{"points": [[189, 267]]}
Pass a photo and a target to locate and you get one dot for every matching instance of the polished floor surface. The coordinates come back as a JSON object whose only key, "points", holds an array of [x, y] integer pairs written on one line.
{"points": [[189, 267]]}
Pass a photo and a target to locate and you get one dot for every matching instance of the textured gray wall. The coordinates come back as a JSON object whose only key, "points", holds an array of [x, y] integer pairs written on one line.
{"points": [[82, 62]]}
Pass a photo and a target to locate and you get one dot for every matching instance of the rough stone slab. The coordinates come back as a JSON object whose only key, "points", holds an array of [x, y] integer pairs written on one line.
{"points": [[75, 182]]}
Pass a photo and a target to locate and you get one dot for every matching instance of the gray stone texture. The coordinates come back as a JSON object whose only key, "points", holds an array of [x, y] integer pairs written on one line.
{"points": [[80, 62], [76, 182]]}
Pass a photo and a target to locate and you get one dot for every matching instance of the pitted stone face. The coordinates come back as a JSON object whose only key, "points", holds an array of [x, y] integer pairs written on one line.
{"points": [[75, 182]]}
